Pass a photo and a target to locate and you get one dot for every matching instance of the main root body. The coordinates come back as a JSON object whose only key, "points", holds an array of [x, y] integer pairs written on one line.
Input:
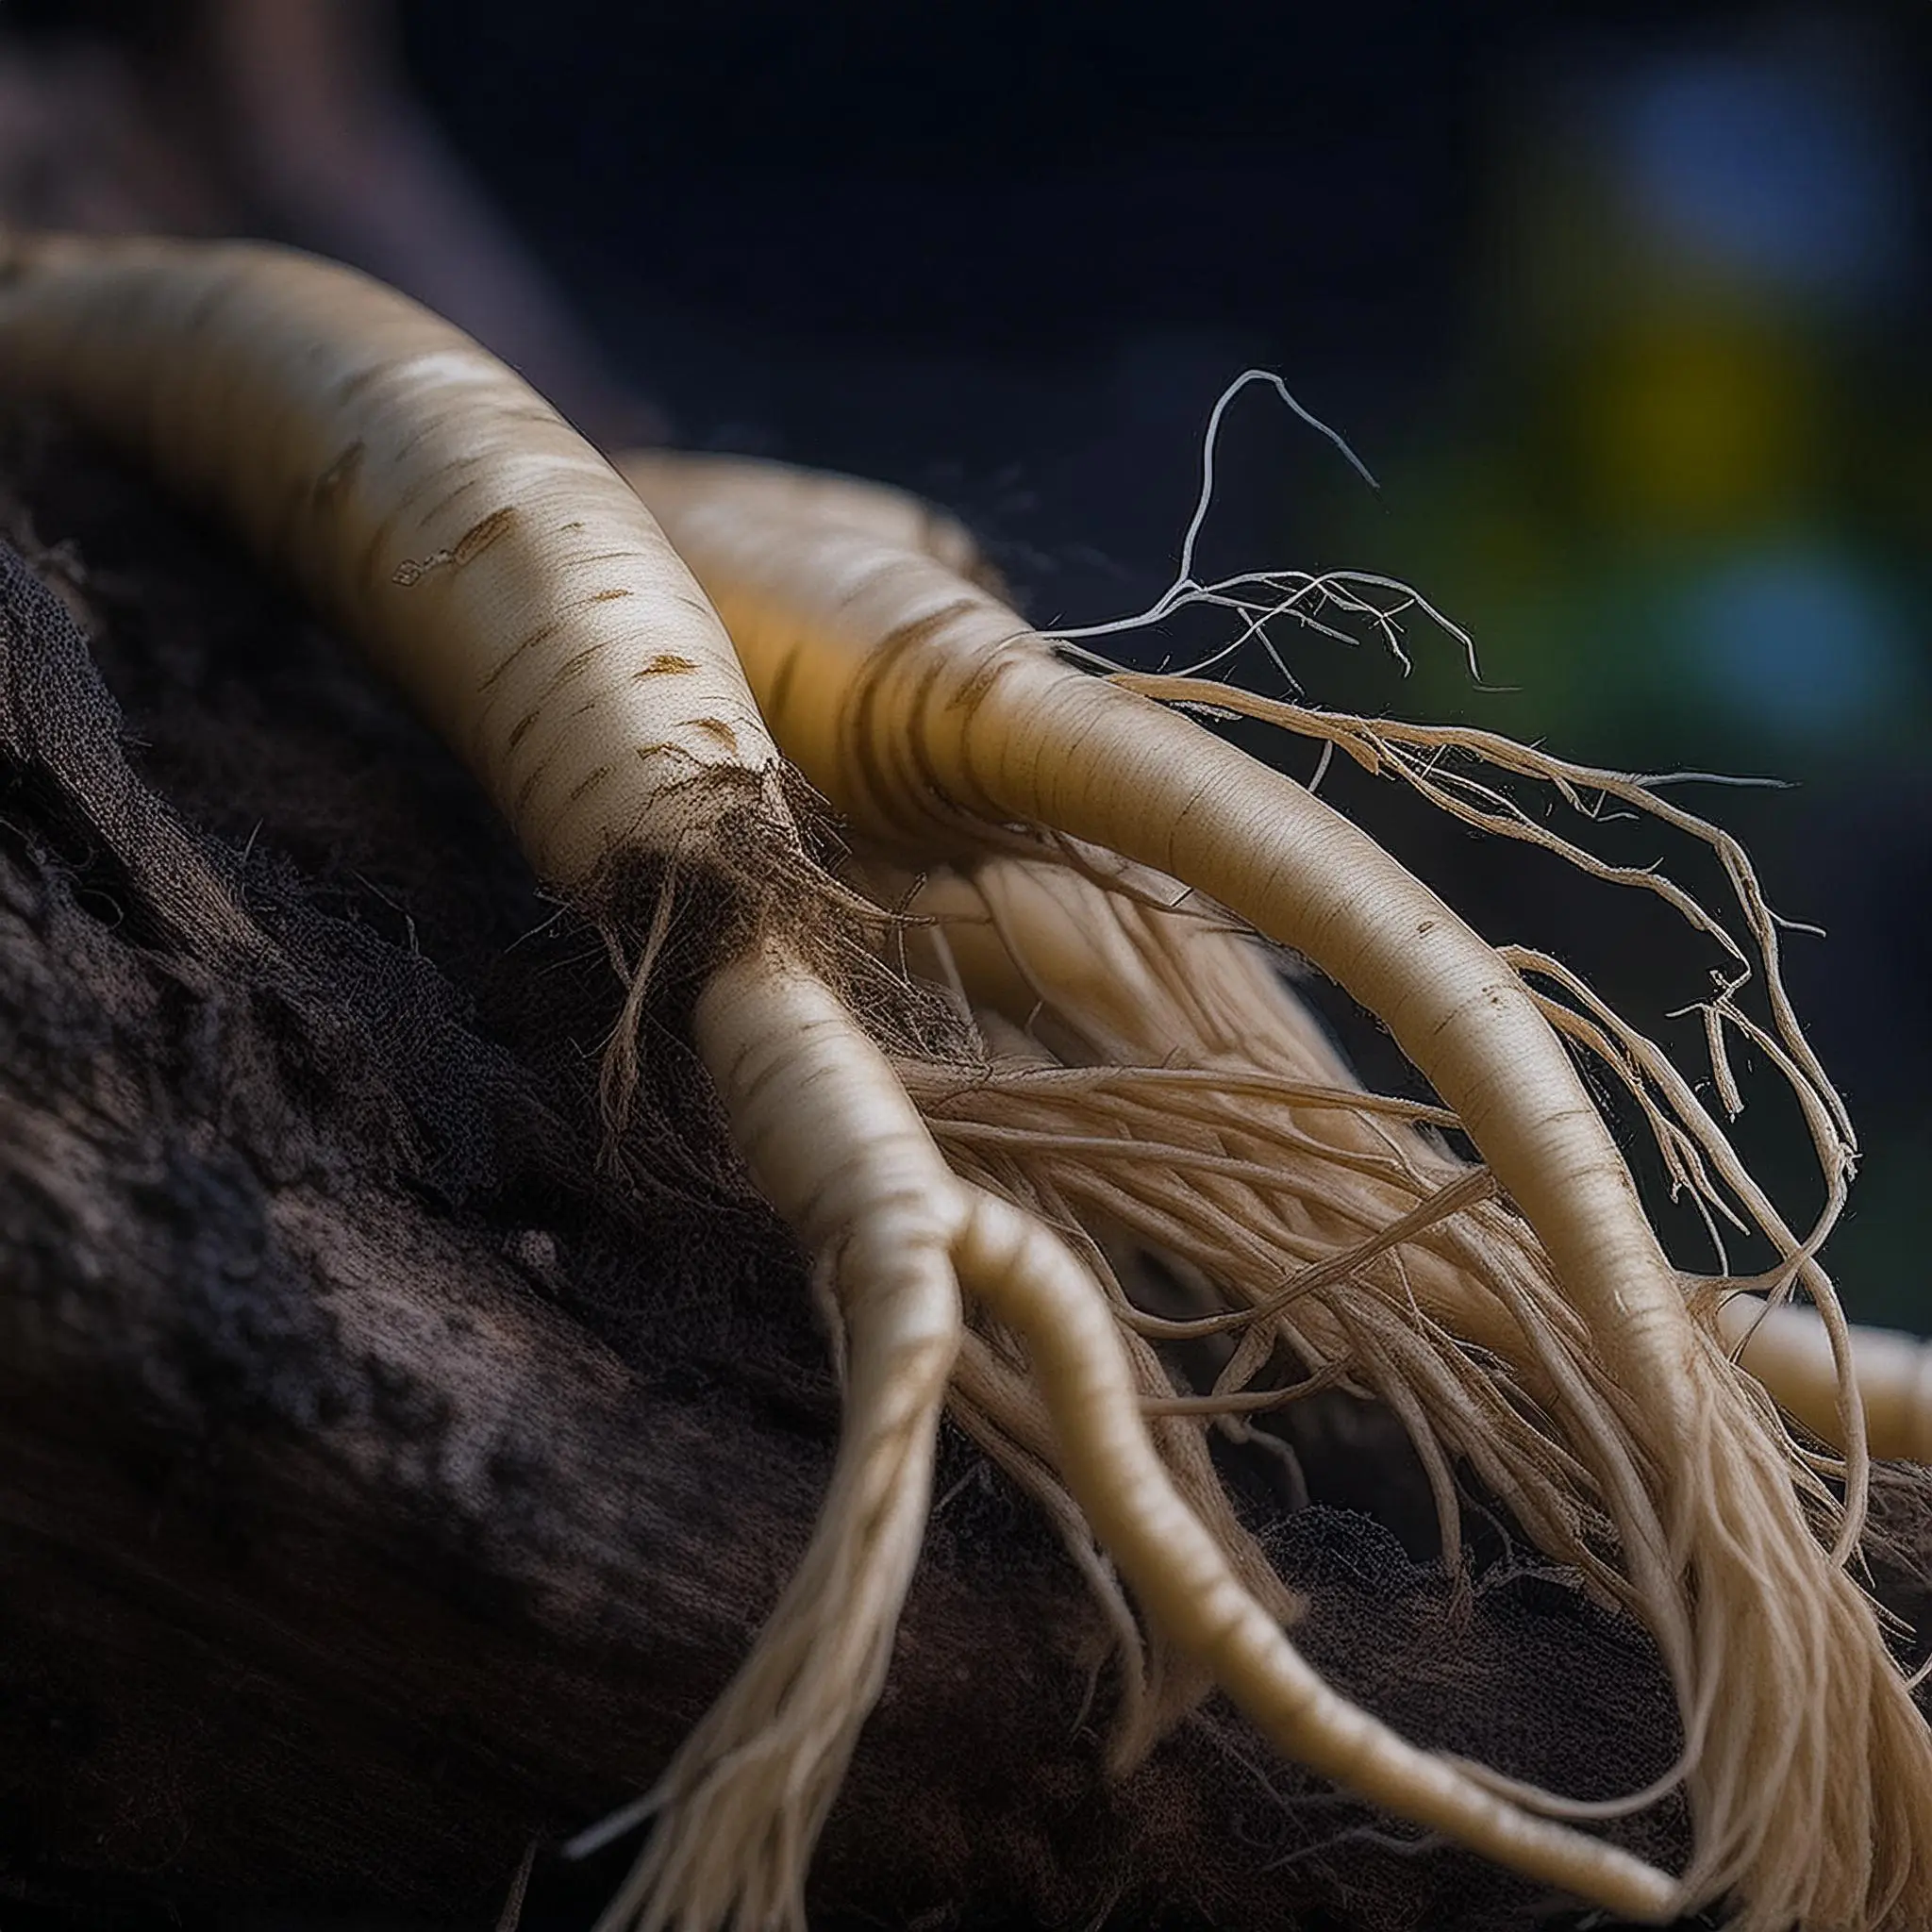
{"points": [[1141, 1100]]}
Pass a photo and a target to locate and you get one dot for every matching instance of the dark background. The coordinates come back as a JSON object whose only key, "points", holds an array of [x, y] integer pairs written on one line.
{"points": [[1623, 305]]}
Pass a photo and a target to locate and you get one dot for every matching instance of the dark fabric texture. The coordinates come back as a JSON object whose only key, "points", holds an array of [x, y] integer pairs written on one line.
{"points": [[389, 1478]]}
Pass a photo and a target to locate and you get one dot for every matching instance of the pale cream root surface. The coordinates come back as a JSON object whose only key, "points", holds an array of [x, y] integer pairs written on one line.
{"points": [[1787, 1350], [495, 565], [484, 555], [841, 1154], [1207, 1056]]}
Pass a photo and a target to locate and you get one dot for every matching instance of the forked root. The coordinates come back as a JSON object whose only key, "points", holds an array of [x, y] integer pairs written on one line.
{"points": [[741, 1805], [1179, 1571]]}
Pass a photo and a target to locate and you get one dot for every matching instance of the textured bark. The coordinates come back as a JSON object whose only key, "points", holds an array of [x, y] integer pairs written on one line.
{"points": [[388, 1475]]}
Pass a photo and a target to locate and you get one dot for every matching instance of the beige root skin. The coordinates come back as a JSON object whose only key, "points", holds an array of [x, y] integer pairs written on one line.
{"points": [[1032, 938], [493, 564], [747, 1793], [934, 719], [431, 501], [1788, 1349]]}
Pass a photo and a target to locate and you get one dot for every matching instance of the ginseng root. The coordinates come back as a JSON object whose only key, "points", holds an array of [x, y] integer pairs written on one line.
{"points": [[498, 569]]}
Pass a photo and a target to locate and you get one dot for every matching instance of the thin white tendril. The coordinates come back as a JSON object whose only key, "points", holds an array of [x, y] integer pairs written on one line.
{"points": [[1289, 593]]}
